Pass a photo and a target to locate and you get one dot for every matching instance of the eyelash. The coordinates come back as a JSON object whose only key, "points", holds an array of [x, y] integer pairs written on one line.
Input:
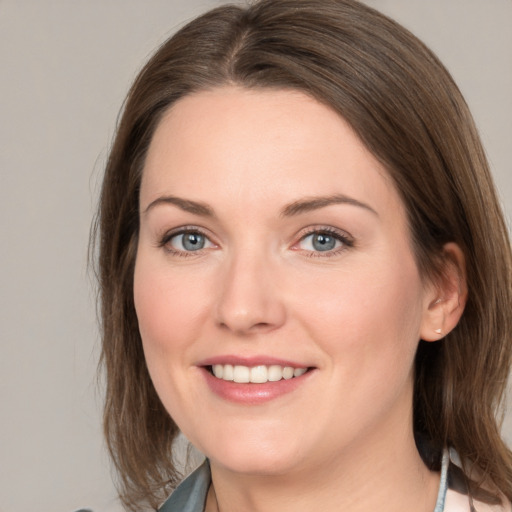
{"points": [[344, 238], [185, 230]]}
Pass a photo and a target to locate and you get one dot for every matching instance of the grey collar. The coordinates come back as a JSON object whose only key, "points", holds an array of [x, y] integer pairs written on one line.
{"points": [[190, 495]]}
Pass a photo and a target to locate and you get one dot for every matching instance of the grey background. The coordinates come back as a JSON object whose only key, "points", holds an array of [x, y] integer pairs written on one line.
{"points": [[65, 67]]}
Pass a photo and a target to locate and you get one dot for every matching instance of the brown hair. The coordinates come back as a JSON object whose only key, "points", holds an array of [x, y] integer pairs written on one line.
{"points": [[405, 107]]}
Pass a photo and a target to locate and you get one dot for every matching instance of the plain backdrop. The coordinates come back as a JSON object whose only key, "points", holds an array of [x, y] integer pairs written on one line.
{"points": [[65, 67]]}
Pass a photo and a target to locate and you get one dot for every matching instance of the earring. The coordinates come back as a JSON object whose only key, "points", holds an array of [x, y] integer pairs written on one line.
{"points": [[438, 331]]}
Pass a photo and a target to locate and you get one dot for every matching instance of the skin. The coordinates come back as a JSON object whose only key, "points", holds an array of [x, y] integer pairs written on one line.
{"points": [[343, 439]]}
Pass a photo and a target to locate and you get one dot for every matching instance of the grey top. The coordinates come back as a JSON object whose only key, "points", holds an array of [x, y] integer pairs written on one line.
{"points": [[190, 495]]}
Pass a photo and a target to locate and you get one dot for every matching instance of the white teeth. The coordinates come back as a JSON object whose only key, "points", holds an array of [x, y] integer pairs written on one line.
{"points": [[218, 370], [259, 374], [287, 372], [299, 371], [242, 374], [228, 373], [275, 373], [256, 374]]}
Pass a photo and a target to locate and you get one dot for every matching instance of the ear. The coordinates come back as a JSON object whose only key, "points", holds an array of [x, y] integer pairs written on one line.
{"points": [[445, 298]]}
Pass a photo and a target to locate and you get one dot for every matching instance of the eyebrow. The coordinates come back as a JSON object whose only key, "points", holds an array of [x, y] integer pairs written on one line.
{"points": [[296, 208], [314, 203], [187, 205]]}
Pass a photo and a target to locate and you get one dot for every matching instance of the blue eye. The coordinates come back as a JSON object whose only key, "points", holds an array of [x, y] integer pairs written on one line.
{"points": [[323, 241], [189, 241]]}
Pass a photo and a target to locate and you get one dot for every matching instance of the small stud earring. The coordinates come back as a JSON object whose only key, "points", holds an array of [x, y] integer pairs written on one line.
{"points": [[438, 331]]}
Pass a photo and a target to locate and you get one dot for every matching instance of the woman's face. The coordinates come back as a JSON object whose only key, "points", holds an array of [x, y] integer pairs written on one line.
{"points": [[273, 243]]}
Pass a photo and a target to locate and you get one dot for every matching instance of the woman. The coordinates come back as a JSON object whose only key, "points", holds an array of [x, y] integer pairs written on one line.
{"points": [[304, 268]]}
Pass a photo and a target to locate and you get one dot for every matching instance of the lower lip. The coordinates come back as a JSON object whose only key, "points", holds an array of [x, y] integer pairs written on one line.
{"points": [[250, 393]]}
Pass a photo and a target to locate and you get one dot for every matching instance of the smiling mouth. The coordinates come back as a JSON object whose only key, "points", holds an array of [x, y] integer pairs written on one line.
{"points": [[260, 374]]}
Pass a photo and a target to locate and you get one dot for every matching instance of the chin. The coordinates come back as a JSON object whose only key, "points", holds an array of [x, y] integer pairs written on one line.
{"points": [[255, 455], [261, 465]]}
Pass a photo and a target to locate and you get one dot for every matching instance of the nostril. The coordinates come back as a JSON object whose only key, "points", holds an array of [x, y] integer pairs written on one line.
{"points": [[261, 325], [245, 328]]}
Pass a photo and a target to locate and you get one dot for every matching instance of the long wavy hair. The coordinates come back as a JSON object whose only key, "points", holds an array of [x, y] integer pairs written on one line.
{"points": [[405, 107]]}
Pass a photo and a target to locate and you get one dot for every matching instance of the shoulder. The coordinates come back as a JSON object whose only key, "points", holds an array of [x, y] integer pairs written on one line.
{"points": [[457, 502], [190, 495], [458, 498]]}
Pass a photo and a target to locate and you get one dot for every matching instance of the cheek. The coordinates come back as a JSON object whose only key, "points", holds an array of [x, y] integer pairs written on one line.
{"points": [[169, 308], [170, 314], [370, 316]]}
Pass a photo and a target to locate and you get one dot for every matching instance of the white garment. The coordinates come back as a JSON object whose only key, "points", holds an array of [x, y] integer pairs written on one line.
{"points": [[458, 502]]}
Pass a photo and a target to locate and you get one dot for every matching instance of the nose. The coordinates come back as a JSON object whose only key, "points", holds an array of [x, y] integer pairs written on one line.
{"points": [[250, 300]]}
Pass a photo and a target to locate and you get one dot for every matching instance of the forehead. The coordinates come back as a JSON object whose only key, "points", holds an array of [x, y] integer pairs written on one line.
{"points": [[260, 144]]}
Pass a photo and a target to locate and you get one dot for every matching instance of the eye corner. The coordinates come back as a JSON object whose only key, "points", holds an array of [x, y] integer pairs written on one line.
{"points": [[324, 241], [186, 241]]}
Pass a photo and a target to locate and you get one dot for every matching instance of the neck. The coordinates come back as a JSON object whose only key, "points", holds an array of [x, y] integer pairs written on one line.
{"points": [[389, 477]]}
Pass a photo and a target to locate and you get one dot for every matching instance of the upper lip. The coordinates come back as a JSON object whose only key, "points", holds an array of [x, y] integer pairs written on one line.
{"points": [[250, 361]]}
